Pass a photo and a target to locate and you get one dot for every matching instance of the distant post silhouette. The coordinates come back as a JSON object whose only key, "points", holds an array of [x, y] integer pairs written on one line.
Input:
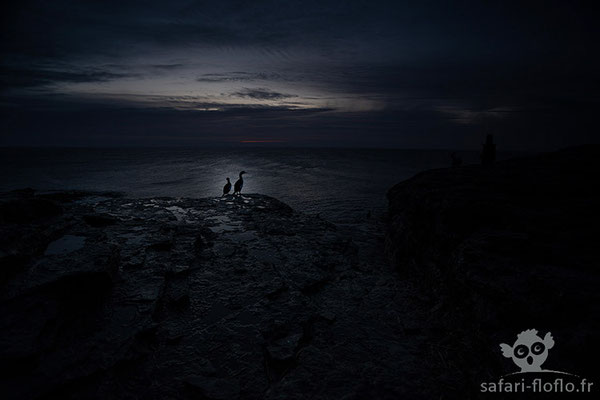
{"points": [[488, 154], [456, 160]]}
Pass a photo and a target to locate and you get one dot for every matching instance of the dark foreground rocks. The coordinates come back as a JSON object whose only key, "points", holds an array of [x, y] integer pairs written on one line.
{"points": [[109, 297], [500, 250]]}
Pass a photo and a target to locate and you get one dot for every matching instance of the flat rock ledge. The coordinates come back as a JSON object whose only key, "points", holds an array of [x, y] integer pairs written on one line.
{"points": [[219, 298]]}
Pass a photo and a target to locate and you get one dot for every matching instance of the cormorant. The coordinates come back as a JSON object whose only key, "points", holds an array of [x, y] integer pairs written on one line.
{"points": [[237, 188], [226, 188]]}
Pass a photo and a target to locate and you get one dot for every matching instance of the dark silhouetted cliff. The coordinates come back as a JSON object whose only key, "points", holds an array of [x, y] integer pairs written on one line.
{"points": [[502, 249]]}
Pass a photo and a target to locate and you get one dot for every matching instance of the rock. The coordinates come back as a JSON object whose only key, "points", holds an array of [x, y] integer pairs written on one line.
{"points": [[327, 316], [225, 249], [59, 295], [180, 300], [178, 270], [96, 309], [86, 274], [213, 388], [99, 220], [284, 348], [100, 299], [163, 245], [204, 239], [23, 208], [503, 249], [65, 244]]}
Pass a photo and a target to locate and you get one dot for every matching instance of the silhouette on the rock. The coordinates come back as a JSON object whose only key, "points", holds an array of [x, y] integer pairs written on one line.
{"points": [[456, 160], [488, 154], [237, 188], [227, 187]]}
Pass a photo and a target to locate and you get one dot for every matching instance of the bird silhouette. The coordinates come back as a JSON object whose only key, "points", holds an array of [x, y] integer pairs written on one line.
{"points": [[227, 187], [237, 188]]}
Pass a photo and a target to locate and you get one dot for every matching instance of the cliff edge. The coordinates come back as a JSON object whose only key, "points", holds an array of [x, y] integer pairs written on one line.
{"points": [[502, 249]]}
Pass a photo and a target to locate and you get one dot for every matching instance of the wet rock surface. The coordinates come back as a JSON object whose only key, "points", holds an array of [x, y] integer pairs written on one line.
{"points": [[500, 250], [109, 297]]}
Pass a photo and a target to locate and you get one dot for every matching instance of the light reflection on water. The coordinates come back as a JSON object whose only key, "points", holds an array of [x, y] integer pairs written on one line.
{"points": [[341, 184]]}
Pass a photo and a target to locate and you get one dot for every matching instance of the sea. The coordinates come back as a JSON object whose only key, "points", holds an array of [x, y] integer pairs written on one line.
{"points": [[341, 185]]}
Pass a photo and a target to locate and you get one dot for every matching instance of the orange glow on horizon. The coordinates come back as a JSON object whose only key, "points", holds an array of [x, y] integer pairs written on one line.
{"points": [[262, 141]]}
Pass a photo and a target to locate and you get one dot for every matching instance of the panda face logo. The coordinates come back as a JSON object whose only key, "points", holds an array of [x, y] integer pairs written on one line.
{"points": [[529, 350]]}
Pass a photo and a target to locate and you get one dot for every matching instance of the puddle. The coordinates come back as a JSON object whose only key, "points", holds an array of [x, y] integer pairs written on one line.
{"points": [[134, 238], [243, 236], [65, 244], [178, 212], [224, 224]]}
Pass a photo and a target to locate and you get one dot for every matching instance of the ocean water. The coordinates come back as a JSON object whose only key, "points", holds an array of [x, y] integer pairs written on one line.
{"points": [[342, 185]]}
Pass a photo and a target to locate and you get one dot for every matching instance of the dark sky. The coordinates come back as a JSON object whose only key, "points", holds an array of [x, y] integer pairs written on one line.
{"points": [[423, 74]]}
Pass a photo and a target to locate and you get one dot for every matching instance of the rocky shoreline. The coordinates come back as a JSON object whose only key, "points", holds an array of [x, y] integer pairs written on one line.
{"points": [[109, 297], [105, 296]]}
